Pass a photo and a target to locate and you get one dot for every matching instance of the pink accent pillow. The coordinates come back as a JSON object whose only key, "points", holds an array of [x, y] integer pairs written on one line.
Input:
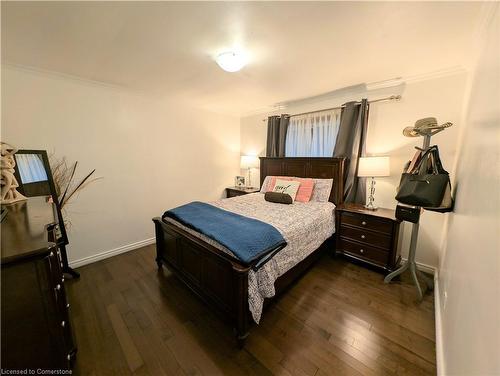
{"points": [[305, 189]]}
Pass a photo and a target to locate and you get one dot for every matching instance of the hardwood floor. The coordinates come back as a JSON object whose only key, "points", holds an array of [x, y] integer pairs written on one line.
{"points": [[340, 318]]}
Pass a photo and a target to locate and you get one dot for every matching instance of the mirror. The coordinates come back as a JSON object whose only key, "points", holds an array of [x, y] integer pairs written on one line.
{"points": [[34, 176], [33, 179]]}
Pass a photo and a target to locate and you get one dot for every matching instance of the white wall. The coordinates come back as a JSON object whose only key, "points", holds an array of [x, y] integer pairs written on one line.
{"points": [[469, 274], [440, 97], [153, 154]]}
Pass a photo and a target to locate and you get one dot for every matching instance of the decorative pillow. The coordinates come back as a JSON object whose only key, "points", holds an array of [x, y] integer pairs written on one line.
{"points": [[269, 182], [279, 198], [289, 187], [322, 190], [305, 189], [265, 184]]}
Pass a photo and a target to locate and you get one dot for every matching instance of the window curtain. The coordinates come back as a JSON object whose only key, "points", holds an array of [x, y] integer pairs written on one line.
{"points": [[312, 135], [299, 137], [351, 144], [277, 127]]}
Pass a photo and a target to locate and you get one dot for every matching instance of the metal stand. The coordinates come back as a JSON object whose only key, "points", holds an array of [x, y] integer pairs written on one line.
{"points": [[66, 268], [410, 263]]}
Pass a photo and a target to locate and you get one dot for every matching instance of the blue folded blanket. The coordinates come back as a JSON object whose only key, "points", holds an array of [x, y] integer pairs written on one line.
{"points": [[247, 238]]}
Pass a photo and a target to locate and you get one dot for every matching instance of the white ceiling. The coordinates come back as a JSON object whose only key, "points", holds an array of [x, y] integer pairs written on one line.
{"points": [[297, 49]]}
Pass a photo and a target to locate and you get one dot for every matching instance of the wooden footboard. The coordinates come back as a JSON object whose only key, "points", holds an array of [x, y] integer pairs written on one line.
{"points": [[214, 276]]}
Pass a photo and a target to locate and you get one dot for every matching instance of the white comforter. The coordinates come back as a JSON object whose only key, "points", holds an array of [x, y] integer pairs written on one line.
{"points": [[305, 226]]}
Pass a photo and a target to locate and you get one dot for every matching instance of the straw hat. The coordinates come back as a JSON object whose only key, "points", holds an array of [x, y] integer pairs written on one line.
{"points": [[424, 126]]}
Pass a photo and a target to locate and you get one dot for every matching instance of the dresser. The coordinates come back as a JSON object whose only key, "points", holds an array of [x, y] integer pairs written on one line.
{"points": [[369, 236], [36, 328]]}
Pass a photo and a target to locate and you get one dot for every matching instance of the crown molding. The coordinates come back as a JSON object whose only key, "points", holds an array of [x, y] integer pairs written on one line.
{"points": [[66, 77]]}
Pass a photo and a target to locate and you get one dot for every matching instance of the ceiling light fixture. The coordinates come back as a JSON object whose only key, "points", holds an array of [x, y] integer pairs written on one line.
{"points": [[231, 61]]}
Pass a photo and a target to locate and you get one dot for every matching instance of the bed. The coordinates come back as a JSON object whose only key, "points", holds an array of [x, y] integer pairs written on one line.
{"points": [[235, 290]]}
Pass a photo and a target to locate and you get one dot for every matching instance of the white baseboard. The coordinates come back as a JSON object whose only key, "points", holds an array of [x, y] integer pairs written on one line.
{"points": [[112, 252], [439, 328], [424, 267]]}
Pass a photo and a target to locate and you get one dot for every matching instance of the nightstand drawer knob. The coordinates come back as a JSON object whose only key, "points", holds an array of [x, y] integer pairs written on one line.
{"points": [[363, 223], [362, 236], [63, 324], [58, 286], [361, 251]]}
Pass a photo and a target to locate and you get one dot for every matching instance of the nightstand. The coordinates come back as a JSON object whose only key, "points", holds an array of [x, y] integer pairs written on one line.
{"points": [[239, 191], [370, 236]]}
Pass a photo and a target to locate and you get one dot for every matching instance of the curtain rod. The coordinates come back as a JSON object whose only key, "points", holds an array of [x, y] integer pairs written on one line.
{"points": [[391, 98]]}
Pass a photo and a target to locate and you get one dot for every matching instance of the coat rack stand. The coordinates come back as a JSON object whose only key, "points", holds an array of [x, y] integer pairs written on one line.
{"points": [[410, 263]]}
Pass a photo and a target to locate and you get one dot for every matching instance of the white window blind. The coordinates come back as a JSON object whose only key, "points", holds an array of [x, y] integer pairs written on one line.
{"points": [[312, 135]]}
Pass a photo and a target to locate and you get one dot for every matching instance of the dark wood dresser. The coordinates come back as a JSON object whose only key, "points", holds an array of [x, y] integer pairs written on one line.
{"points": [[36, 329], [370, 236]]}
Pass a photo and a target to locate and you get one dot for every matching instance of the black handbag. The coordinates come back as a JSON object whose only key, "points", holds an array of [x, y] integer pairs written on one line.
{"points": [[447, 203], [426, 184]]}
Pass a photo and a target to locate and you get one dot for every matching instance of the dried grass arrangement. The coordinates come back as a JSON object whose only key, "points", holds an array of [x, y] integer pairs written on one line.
{"points": [[64, 179]]}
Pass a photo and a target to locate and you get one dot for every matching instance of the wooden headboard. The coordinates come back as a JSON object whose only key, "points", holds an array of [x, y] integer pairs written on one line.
{"points": [[308, 167]]}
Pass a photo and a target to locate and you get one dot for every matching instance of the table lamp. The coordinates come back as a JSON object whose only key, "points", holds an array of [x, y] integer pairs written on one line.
{"points": [[373, 167], [249, 162]]}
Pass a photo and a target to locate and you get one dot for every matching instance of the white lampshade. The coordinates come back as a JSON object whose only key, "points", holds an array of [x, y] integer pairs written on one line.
{"points": [[373, 166], [249, 161]]}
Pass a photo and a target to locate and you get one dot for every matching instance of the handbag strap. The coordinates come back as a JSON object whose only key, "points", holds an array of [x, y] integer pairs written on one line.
{"points": [[437, 161], [417, 169], [432, 152]]}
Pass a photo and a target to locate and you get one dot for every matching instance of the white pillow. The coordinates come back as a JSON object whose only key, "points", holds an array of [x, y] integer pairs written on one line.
{"points": [[287, 186], [322, 189]]}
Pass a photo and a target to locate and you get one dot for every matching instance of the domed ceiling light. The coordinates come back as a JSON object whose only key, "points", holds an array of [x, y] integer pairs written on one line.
{"points": [[231, 61]]}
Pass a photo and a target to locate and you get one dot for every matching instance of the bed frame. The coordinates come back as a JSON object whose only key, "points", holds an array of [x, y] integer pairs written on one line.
{"points": [[221, 280]]}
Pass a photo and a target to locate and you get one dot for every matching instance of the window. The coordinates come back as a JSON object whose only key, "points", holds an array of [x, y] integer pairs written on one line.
{"points": [[312, 135]]}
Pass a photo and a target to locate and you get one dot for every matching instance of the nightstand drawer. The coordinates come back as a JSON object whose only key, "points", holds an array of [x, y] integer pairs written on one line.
{"points": [[365, 221], [240, 191], [368, 237], [364, 251], [234, 193]]}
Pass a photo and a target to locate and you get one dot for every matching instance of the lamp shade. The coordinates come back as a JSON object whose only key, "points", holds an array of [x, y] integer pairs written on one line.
{"points": [[373, 166], [249, 161]]}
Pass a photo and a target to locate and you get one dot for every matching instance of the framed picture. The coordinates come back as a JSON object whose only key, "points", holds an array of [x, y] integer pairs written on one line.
{"points": [[239, 181]]}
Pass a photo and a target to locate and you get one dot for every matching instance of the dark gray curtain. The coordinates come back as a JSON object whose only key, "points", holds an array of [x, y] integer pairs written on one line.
{"points": [[350, 143], [276, 135]]}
